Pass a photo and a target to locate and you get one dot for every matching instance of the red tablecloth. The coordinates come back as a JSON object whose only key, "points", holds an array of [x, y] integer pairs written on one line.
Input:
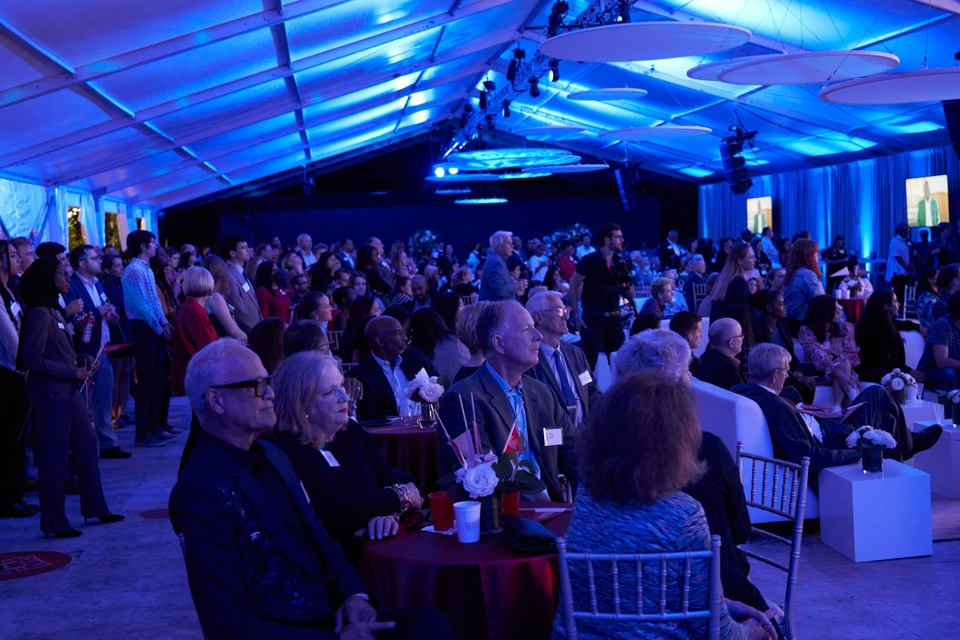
{"points": [[853, 307], [410, 449], [487, 590]]}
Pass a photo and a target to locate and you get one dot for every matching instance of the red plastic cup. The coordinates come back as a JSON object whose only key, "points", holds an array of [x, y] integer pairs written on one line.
{"points": [[441, 511], [511, 503]]}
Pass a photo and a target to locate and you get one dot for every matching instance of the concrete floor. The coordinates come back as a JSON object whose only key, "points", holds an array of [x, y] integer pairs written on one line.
{"points": [[127, 580]]}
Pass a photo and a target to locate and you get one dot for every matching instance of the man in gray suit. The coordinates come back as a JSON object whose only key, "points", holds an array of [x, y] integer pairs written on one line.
{"points": [[510, 343], [240, 294], [562, 365], [497, 283]]}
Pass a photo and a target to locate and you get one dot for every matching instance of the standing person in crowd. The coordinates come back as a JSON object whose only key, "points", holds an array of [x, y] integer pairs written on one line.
{"points": [[803, 279], [584, 248], [835, 258], [305, 250], [168, 290], [947, 249], [696, 276], [562, 366], [151, 331], [192, 332], [92, 335], [769, 246], [923, 252], [567, 259], [497, 283], [120, 333], [538, 262], [240, 294], [670, 252], [221, 312], [13, 396], [273, 300], [60, 420], [730, 292], [899, 268], [596, 287]]}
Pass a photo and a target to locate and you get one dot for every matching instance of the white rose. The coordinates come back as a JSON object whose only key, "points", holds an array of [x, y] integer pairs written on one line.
{"points": [[853, 440], [431, 392], [897, 384], [480, 481]]}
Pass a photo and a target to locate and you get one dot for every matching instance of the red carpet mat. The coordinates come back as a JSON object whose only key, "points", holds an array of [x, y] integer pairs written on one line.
{"points": [[156, 514], [23, 564]]}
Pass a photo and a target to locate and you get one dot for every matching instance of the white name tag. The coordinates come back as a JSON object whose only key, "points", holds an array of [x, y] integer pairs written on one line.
{"points": [[103, 298], [586, 378], [245, 287], [15, 308], [330, 458], [60, 325], [552, 437]]}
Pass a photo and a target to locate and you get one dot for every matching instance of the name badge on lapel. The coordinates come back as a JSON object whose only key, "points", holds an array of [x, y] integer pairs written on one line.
{"points": [[60, 325], [103, 298], [586, 378], [330, 458], [246, 287], [552, 437]]}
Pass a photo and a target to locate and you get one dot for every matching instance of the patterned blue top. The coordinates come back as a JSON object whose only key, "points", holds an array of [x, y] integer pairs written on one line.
{"points": [[675, 523], [804, 287], [925, 303], [140, 295]]}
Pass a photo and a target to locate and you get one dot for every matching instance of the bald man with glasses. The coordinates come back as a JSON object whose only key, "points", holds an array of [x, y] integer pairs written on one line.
{"points": [[719, 364]]}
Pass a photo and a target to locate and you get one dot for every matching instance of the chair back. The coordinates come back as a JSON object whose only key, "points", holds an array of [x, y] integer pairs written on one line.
{"points": [[778, 487], [909, 308], [333, 337], [468, 300], [667, 567], [699, 293]]}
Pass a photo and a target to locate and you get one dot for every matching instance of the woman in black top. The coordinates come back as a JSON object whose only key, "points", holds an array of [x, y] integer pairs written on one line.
{"points": [[351, 486], [61, 424], [368, 259], [881, 345]]}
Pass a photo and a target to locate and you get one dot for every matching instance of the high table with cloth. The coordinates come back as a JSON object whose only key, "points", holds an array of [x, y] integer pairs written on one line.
{"points": [[852, 307], [412, 449], [486, 589]]}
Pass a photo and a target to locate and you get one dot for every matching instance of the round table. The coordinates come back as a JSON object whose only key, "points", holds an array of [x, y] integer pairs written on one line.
{"points": [[852, 307], [412, 449], [486, 589]]}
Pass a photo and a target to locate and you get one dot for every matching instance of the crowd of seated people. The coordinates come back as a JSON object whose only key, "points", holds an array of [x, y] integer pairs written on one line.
{"points": [[344, 328]]}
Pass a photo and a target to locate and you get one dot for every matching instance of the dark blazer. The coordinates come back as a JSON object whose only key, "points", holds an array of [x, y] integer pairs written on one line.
{"points": [[719, 370], [495, 418], [791, 438], [692, 278], [345, 498], [378, 401], [496, 283], [248, 574], [246, 308], [577, 363], [46, 350], [78, 290]]}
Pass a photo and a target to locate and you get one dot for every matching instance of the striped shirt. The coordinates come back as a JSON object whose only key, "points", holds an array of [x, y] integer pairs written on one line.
{"points": [[140, 295]]}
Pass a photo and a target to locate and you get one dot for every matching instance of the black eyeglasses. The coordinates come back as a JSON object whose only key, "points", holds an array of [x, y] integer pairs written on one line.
{"points": [[65, 274], [259, 385], [415, 520]]}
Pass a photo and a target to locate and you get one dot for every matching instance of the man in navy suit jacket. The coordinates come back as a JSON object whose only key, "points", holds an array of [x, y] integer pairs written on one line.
{"points": [[577, 391], [259, 563], [85, 286]]}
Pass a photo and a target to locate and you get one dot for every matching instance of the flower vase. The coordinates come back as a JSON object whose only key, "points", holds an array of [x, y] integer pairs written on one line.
{"points": [[900, 396], [428, 414], [872, 460], [511, 503], [490, 513]]}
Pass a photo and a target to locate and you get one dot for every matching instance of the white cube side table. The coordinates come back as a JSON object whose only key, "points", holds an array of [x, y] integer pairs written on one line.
{"points": [[876, 516], [942, 461]]}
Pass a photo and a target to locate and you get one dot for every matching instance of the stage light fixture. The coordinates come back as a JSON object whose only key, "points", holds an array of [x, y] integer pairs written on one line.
{"points": [[465, 116], [439, 172], [489, 85], [483, 101], [534, 87], [513, 67], [554, 66], [505, 106], [734, 164], [555, 21]]}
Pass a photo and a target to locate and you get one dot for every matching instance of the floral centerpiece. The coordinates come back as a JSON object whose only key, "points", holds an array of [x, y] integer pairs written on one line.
{"points": [[949, 400], [855, 288], [897, 382], [426, 390], [487, 476], [871, 443]]}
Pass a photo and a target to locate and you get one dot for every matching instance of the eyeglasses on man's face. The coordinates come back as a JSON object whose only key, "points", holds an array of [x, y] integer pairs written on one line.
{"points": [[259, 385]]}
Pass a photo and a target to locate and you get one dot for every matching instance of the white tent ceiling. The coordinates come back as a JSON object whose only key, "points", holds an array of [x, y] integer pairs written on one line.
{"points": [[166, 102]]}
